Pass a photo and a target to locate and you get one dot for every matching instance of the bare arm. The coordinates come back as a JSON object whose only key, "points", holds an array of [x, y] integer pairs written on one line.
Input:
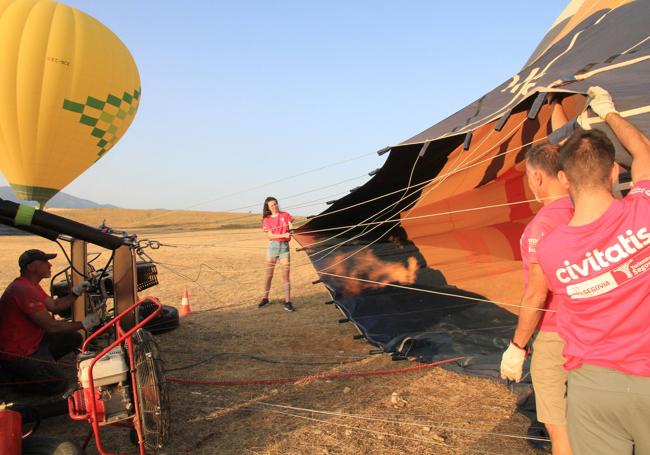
{"points": [[635, 142], [532, 302], [51, 325], [58, 305]]}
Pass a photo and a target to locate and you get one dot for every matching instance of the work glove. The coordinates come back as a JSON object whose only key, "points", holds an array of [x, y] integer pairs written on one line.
{"points": [[81, 288], [601, 102], [90, 321], [512, 363]]}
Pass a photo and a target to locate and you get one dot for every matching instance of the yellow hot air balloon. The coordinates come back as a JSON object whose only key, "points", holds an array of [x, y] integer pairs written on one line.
{"points": [[69, 89]]}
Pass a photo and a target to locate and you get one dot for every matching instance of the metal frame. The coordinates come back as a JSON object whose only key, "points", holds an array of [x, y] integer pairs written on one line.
{"points": [[122, 336]]}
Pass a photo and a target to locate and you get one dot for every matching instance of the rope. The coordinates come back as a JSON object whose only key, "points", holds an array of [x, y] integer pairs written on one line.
{"points": [[443, 177], [382, 433], [260, 359], [400, 422], [450, 212], [34, 359], [429, 291], [292, 196], [264, 185], [308, 378], [398, 220]]}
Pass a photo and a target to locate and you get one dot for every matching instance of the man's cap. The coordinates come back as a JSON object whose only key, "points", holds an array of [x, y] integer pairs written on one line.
{"points": [[30, 256]]}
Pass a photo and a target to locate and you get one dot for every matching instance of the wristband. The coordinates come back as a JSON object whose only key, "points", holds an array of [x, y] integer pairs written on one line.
{"points": [[523, 348]]}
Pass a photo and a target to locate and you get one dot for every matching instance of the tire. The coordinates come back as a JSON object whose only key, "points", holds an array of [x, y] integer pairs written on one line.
{"points": [[166, 321]]}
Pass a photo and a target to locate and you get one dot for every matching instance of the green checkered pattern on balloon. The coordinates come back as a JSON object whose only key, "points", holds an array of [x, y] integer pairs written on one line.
{"points": [[105, 117]]}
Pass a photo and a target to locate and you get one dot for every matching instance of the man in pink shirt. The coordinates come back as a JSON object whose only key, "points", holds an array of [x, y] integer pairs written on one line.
{"points": [[538, 305], [599, 266]]}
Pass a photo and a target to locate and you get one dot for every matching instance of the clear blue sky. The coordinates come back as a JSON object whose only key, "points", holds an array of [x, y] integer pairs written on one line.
{"points": [[238, 94]]}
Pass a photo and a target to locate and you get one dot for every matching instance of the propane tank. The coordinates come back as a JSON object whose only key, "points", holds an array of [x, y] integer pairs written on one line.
{"points": [[11, 432]]}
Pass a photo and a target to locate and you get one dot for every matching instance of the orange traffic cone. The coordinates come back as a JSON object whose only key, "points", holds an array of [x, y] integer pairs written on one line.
{"points": [[185, 304]]}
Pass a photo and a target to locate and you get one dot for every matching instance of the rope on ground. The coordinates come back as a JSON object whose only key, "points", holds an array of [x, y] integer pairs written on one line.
{"points": [[260, 359], [382, 433], [309, 378], [401, 422]]}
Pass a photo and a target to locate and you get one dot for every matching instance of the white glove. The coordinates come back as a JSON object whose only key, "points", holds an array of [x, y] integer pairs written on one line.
{"points": [[601, 102], [90, 321], [512, 363], [81, 288]]}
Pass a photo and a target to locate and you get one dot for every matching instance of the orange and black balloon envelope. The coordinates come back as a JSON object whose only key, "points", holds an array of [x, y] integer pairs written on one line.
{"points": [[425, 258], [69, 89]]}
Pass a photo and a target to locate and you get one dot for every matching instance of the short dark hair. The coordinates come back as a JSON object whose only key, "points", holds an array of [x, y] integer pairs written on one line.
{"points": [[587, 158], [545, 157]]}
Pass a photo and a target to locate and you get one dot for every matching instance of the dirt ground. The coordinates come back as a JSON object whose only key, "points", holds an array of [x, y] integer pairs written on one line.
{"points": [[219, 258]]}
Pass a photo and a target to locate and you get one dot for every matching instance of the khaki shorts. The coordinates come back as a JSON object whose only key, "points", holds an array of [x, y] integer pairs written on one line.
{"points": [[549, 378], [608, 412]]}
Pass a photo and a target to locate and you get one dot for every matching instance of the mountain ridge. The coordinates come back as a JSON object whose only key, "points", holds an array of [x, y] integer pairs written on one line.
{"points": [[60, 200]]}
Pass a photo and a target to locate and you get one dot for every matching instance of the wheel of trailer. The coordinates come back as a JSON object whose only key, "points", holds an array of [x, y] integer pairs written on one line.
{"points": [[151, 389], [165, 321]]}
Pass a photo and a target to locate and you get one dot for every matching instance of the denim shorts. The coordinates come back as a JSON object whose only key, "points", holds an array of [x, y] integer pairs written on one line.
{"points": [[278, 250]]}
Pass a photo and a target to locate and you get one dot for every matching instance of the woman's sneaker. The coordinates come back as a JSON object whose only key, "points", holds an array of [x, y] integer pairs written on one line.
{"points": [[263, 303], [288, 306]]}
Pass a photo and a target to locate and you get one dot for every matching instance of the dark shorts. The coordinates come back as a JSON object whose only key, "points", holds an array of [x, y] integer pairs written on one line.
{"points": [[278, 250], [39, 372]]}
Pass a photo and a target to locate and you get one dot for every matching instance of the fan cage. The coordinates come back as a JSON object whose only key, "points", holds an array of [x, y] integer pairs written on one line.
{"points": [[153, 397]]}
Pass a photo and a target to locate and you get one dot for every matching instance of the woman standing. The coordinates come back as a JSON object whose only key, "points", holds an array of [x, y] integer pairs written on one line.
{"points": [[277, 225]]}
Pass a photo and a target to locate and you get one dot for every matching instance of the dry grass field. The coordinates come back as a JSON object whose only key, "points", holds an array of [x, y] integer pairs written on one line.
{"points": [[219, 258]]}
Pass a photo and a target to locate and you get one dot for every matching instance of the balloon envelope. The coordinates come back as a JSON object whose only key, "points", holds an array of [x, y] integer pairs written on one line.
{"points": [[69, 90], [423, 257]]}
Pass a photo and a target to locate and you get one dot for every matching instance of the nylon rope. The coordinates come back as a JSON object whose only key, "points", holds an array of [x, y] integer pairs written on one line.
{"points": [[309, 378], [429, 291], [264, 185], [400, 422], [506, 137], [439, 177], [306, 263]]}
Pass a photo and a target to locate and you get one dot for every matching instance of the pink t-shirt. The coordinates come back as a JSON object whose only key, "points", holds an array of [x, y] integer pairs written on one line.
{"points": [[551, 216], [602, 273], [277, 224], [18, 333]]}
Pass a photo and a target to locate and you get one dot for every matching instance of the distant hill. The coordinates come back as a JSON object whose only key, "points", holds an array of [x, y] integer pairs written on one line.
{"points": [[60, 200]]}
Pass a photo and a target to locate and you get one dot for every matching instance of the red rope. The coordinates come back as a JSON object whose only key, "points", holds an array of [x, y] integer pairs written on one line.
{"points": [[310, 378]]}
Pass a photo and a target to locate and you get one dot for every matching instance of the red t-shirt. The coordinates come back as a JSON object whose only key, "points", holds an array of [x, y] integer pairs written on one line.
{"points": [[551, 216], [18, 333], [601, 271], [277, 224]]}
